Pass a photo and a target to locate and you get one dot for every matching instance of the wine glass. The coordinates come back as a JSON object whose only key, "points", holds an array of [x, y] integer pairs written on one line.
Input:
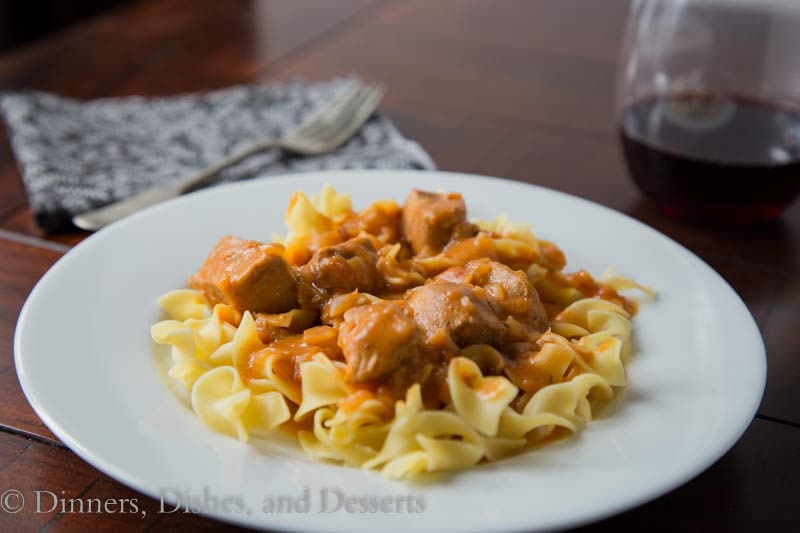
{"points": [[708, 107]]}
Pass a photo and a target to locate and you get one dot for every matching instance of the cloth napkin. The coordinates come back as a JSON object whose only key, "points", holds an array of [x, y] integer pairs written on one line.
{"points": [[79, 155]]}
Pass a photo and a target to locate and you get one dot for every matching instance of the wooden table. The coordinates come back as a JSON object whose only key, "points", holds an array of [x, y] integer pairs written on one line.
{"points": [[514, 88]]}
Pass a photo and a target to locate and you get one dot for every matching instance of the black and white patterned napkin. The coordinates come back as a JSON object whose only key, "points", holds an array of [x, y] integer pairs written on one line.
{"points": [[80, 155]]}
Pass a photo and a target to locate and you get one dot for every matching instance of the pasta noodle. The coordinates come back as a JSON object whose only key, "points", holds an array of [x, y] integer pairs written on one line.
{"points": [[366, 368]]}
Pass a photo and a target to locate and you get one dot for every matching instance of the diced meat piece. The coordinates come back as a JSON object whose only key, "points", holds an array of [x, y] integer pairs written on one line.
{"points": [[430, 220], [376, 340], [341, 268], [508, 291], [454, 315], [247, 275]]}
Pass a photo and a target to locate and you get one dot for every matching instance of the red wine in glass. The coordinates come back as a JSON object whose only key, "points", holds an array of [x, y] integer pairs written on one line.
{"points": [[713, 158]]}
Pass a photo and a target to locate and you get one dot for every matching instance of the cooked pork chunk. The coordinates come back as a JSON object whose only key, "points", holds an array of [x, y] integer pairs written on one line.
{"points": [[247, 275], [341, 268], [376, 339], [430, 220], [453, 315], [508, 291]]}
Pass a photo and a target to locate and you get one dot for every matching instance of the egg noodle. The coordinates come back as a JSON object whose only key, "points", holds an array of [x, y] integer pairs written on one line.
{"points": [[249, 372]]}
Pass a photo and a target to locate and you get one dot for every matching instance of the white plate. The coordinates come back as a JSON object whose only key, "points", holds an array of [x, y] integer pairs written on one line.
{"points": [[85, 361]]}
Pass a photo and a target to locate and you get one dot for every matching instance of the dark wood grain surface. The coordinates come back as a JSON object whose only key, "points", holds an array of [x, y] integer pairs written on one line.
{"points": [[515, 88]]}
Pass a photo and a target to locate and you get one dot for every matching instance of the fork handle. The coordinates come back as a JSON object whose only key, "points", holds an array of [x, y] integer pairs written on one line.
{"points": [[205, 176], [98, 218]]}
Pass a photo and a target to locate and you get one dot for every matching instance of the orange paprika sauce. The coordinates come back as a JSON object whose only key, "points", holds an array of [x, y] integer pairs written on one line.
{"points": [[382, 221]]}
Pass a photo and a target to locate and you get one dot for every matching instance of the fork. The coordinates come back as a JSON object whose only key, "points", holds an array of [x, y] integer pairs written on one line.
{"points": [[326, 129]]}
